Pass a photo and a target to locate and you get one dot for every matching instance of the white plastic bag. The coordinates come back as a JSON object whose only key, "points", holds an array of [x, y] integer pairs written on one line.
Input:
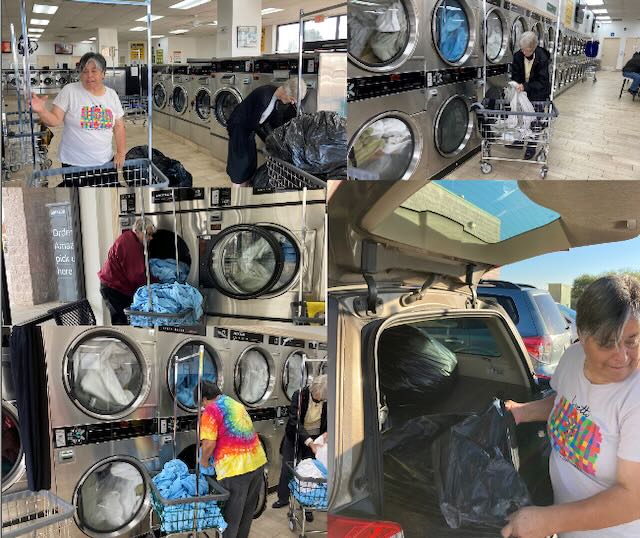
{"points": [[388, 20], [520, 103]]}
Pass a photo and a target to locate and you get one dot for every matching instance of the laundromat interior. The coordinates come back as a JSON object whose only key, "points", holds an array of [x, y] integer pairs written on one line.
{"points": [[206, 57], [424, 77], [105, 429]]}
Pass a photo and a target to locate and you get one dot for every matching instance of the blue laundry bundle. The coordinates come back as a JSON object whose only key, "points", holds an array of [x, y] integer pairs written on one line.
{"points": [[311, 494], [167, 299], [175, 482], [165, 270]]}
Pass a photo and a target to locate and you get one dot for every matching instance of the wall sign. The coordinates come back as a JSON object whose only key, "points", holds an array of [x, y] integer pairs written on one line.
{"points": [[137, 51], [247, 37], [64, 250]]}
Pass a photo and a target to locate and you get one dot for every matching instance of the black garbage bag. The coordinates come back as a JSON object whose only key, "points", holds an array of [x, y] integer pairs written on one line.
{"points": [[261, 178], [414, 368], [177, 175], [315, 143], [475, 470]]}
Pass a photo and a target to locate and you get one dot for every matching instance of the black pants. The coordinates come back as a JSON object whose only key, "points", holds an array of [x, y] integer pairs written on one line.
{"points": [[285, 473], [102, 178], [244, 491], [242, 154], [116, 303]]}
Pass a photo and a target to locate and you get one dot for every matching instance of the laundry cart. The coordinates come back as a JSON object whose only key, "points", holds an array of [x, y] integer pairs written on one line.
{"points": [[135, 108], [37, 514], [284, 176], [20, 146]]}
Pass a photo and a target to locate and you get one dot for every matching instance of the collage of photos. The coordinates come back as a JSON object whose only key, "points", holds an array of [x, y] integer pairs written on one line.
{"points": [[352, 269]]}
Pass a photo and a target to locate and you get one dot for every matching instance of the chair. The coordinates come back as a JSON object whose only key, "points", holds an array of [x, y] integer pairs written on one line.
{"points": [[624, 84], [76, 313]]}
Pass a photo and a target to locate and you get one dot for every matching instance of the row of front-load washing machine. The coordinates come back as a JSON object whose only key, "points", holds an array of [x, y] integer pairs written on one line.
{"points": [[42, 81], [413, 80], [195, 101], [112, 395], [251, 254]]}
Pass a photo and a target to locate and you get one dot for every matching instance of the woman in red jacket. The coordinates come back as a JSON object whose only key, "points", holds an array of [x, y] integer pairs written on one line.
{"points": [[125, 271]]}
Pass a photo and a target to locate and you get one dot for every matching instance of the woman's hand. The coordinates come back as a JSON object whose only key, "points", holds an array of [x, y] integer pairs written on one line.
{"points": [[528, 522], [520, 87], [118, 160], [516, 409], [39, 104]]}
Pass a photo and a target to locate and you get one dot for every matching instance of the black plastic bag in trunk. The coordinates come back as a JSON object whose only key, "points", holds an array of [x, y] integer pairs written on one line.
{"points": [[315, 143], [177, 174], [476, 471]]}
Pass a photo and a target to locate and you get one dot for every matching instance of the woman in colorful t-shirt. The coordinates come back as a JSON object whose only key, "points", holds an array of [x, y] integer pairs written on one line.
{"points": [[593, 422], [92, 116], [228, 438]]}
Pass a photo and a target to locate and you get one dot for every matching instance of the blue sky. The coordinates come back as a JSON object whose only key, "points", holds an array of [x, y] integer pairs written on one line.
{"points": [[563, 267]]}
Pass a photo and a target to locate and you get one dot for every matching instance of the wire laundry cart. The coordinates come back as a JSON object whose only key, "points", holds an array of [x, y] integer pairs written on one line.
{"points": [[135, 108], [38, 514], [284, 176], [17, 151], [191, 514], [306, 493], [500, 127]]}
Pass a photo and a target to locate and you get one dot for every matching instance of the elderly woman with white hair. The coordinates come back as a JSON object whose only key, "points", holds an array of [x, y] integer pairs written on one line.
{"points": [[264, 109], [307, 421], [593, 423], [91, 115]]}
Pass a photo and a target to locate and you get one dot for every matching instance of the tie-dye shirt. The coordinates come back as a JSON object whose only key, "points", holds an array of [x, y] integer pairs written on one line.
{"points": [[238, 448], [590, 426]]}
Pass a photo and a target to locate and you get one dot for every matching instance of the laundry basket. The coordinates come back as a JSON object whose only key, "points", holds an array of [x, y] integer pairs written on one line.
{"points": [[37, 514], [284, 176]]}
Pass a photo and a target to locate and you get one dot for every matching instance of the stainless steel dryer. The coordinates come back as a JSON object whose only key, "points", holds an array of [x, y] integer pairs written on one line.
{"points": [[519, 24], [48, 82], [385, 130], [386, 36], [250, 258], [455, 34], [62, 79], [451, 125], [161, 92], [179, 102], [100, 374], [293, 351], [200, 109], [496, 44], [537, 26], [101, 470]]}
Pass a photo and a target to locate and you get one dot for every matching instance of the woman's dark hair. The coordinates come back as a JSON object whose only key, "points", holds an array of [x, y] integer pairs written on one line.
{"points": [[101, 63], [210, 390]]}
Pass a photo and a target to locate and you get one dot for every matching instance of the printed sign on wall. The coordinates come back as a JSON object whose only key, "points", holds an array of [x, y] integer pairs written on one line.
{"points": [[569, 10], [137, 51], [64, 250]]}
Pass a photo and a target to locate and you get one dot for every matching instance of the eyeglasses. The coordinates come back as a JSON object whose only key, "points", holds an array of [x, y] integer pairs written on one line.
{"points": [[629, 346]]}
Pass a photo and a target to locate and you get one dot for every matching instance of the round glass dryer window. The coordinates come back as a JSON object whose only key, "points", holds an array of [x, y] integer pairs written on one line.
{"points": [[383, 150], [110, 497], [245, 262], [290, 257], [379, 31], [105, 376], [539, 31], [452, 126], [224, 105], [203, 104], [252, 376], [293, 377], [451, 30], [11, 446], [188, 373], [179, 99], [495, 36], [159, 96], [519, 28], [551, 37]]}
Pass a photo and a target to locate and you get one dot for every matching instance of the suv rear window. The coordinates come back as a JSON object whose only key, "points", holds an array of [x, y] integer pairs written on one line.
{"points": [[508, 304], [464, 335], [551, 316]]}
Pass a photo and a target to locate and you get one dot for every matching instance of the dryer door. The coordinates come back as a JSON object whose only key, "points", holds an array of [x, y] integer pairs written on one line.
{"points": [[187, 372], [162, 256], [518, 28], [159, 95], [453, 126], [225, 101], [453, 31], [497, 39], [254, 376], [202, 104], [179, 99], [382, 33], [105, 375], [387, 147], [12, 454], [244, 262], [111, 498], [293, 376]]}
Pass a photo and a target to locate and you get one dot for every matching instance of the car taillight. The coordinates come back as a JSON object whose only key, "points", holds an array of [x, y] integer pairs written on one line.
{"points": [[539, 347], [346, 527]]}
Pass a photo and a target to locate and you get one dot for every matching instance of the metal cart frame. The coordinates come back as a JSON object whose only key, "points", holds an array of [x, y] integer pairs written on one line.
{"points": [[36, 514]]}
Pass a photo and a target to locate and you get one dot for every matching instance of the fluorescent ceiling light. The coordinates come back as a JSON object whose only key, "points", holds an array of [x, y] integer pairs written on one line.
{"points": [[604, 18], [188, 4], [595, 2], [157, 36], [92, 38], [270, 10], [47, 10], [36, 30], [138, 29], [599, 11], [34, 35], [87, 42], [39, 22], [214, 23], [153, 18], [179, 31], [604, 22]]}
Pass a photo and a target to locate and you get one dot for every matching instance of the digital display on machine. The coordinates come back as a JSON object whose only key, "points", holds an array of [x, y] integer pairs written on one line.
{"points": [[318, 345], [220, 333], [181, 195], [198, 330], [242, 336], [494, 70], [450, 76], [275, 340], [516, 9], [109, 431], [292, 342], [128, 203], [368, 87], [220, 197]]}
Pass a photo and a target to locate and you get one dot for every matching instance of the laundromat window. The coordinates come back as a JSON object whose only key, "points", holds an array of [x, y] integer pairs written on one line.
{"points": [[379, 30], [493, 211], [188, 374], [451, 30]]}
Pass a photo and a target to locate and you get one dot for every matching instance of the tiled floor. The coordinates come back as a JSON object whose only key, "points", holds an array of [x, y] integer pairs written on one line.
{"points": [[595, 137], [274, 523]]}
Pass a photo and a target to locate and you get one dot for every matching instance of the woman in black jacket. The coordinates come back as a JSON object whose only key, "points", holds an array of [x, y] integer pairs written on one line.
{"points": [[530, 69], [310, 405]]}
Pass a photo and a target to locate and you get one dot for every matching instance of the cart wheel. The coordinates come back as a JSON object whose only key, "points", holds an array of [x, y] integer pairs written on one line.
{"points": [[292, 524], [486, 168], [543, 173], [48, 163]]}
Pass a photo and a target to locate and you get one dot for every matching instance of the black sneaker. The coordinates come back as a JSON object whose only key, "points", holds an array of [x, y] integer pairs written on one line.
{"points": [[529, 153], [632, 92], [308, 516], [280, 504]]}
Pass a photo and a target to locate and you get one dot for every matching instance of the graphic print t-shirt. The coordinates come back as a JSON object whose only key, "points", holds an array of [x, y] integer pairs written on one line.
{"points": [[238, 448], [88, 125], [591, 426]]}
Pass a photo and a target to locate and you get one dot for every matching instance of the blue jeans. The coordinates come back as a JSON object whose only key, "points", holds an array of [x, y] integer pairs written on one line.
{"points": [[636, 80]]}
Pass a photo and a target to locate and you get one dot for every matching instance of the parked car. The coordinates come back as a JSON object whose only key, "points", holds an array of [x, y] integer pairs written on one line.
{"points": [[570, 315], [544, 330], [405, 265]]}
